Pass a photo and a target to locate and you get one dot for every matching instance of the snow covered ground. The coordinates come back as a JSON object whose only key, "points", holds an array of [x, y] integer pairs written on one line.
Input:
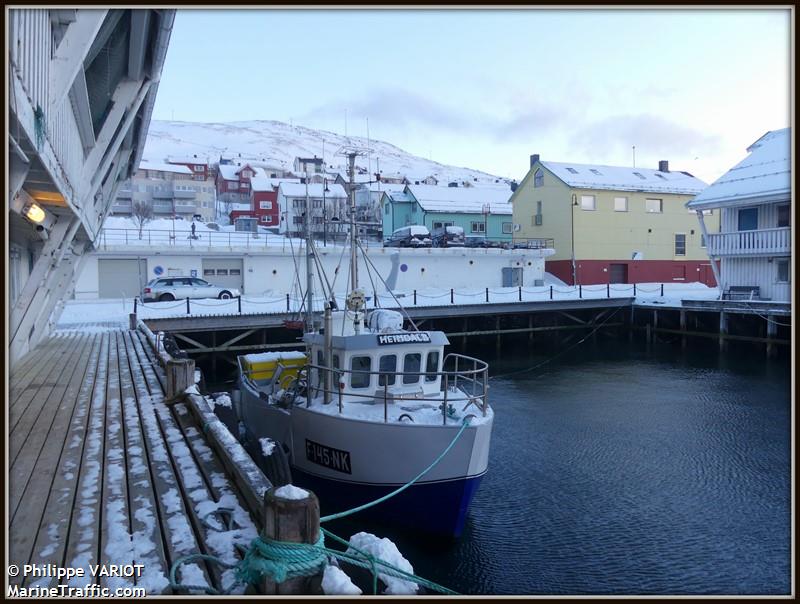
{"points": [[100, 315]]}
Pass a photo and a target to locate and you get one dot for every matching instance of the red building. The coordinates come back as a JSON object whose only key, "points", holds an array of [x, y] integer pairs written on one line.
{"points": [[263, 203], [233, 182], [197, 165]]}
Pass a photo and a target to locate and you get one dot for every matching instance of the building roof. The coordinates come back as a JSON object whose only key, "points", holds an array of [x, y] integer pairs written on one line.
{"points": [[617, 178], [386, 186], [229, 171], [764, 175], [185, 159], [161, 167], [399, 196], [469, 200], [293, 189]]}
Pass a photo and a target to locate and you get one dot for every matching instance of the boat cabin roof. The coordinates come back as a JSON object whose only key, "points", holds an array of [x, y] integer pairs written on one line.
{"points": [[372, 341]]}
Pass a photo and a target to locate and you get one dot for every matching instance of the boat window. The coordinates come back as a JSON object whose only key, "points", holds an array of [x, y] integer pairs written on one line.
{"points": [[432, 366], [388, 368], [412, 365], [360, 380]]}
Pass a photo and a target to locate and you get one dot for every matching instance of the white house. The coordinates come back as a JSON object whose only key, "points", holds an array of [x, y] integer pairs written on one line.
{"points": [[754, 246], [328, 208]]}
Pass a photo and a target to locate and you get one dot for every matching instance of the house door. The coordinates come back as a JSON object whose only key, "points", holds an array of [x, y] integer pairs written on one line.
{"points": [[707, 275], [617, 273], [512, 276]]}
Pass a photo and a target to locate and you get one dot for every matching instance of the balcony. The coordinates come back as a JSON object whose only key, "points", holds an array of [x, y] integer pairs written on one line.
{"points": [[761, 242]]}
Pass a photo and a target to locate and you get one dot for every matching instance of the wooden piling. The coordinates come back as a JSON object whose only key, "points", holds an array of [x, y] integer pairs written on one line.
{"points": [[772, 332], [683, 328], [180, 376], [294, 521], [530, 326], [133, 321], [723, 331]]}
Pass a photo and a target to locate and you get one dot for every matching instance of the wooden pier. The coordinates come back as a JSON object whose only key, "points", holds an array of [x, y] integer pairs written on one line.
{"points": [[103, 471]]}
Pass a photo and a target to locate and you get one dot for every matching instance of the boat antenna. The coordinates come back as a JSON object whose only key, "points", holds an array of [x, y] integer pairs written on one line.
{"points": [[351, 153]]}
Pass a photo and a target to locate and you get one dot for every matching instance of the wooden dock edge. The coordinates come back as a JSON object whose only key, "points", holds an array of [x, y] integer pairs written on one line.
{"points": [[249, 478]]}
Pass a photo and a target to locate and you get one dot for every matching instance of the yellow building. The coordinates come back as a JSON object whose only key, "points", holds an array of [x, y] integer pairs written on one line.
{"points": [[614, 224]]}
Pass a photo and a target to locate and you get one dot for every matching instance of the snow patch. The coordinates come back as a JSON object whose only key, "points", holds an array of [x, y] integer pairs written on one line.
{"points": [[387, 551], [336, 583], [267, 446], [290, 491]]}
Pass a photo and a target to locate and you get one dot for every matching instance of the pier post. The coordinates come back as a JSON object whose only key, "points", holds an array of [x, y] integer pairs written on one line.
{"points": [[723, 331], [466, 330], [655, 325], [180, 376], [133, 321], [188, 310], [451, 295], [498, 340], [683, 328], [772, 332], [294, 521], [630, 324], [415, 297], [530, 328]]}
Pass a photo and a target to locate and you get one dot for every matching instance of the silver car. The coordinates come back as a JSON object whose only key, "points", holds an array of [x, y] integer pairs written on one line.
{"points": [[164, 289]]}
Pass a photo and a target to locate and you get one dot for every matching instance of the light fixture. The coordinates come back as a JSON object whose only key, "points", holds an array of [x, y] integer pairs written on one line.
{"points": [[34, 213]]}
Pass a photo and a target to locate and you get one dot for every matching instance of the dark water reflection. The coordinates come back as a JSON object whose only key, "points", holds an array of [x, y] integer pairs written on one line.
{"points": [[615, 470]]}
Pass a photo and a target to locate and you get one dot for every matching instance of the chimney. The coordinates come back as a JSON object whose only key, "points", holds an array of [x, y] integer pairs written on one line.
{"points": [[534, 159], [663, 166], [513, 186]]}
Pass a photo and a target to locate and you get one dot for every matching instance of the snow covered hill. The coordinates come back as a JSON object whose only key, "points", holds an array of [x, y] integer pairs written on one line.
{"points": [[277, 144]]}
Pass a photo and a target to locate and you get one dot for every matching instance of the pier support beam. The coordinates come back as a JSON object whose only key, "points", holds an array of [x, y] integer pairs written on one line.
{"points": [[498, 339], [772, 332], [723, 331], [683, 328], [530, 326]]}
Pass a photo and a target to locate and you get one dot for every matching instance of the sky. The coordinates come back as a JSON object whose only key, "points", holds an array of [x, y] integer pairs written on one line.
{"points": [[485, 89]]}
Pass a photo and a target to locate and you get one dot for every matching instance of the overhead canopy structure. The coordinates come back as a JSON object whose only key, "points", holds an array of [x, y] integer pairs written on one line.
{"points": [[82, 87]]}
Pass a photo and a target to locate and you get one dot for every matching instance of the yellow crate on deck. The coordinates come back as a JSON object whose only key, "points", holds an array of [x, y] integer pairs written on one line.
{"points": [[262, 366]]}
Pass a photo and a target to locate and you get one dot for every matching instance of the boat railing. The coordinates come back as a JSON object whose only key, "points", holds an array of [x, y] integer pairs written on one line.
{"points": [[469, 376]]}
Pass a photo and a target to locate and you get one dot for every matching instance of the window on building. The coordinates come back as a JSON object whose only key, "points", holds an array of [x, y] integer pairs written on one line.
{"points": [[233, 186], [268, 218], [222, 271], [655, 206], [208, 272], [297, 219], [246, 174], [508, 228], [235, 272], [477, 227], [661, 176], [784, 215], [680, 244], [265, 205], [639, 175], [572, 170], [593, 171], [388, 368], [748, 219], [432, 366], [783, 270], [386, 208], [412, 364], [360, 380], [264, 219], [620, 204], [588, 202], [538, 178]]}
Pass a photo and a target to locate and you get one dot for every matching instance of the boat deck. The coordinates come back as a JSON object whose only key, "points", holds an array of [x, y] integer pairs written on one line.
{"points": [[103, 471]]}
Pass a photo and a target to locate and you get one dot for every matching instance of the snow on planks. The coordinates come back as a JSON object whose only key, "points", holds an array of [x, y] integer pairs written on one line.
{"points": [[103, 471]]}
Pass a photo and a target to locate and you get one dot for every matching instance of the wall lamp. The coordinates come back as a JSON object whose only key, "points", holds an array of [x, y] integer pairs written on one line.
{"points": [[34, 213]]}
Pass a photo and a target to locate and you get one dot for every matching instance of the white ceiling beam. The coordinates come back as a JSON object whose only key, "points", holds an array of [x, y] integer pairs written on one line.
{"points": [[71, 52], [140, 27]]}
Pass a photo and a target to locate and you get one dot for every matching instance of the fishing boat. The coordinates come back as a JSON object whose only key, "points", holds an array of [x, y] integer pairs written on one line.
{"points": [[367, 408]]}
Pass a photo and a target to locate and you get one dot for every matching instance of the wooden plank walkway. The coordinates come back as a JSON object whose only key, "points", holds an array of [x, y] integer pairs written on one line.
{"points": [[103, 471]]}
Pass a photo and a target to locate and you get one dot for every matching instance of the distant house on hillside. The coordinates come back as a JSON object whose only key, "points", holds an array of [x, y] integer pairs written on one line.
{"points": [[312, 165], [233, 182], [328, 208], [754, 245], [198, 165], [614, 224], [484, 212], [263, 205]]}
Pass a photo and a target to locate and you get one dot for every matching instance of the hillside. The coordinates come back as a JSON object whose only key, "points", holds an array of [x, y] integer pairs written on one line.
{"points": [[278, 144]]}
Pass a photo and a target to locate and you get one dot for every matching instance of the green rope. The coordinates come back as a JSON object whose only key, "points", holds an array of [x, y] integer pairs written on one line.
{"points": [[283, 560], [464, 425]]}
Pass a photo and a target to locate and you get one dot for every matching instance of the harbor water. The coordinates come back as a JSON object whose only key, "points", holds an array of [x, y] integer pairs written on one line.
{"points": [[625, 470]]}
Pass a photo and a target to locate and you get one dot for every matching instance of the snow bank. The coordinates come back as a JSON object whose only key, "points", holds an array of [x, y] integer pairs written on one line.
{"points": [[267, 447], [336, 583], [290, 491], [223, 400], [387, 551]]}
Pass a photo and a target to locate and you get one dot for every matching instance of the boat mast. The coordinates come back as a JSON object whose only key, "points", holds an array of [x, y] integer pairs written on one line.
{"points": [[309, 327], [353, 235]]}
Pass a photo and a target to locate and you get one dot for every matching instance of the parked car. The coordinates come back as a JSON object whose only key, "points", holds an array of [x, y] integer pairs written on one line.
{"points": [[448, 236], [410, 236], [163, 289]]}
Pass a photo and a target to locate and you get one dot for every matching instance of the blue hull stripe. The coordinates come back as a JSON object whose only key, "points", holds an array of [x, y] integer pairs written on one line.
{"points": [[433, 507]]}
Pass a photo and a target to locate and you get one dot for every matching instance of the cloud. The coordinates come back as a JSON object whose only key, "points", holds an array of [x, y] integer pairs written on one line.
{"points": [[403, 110], [648, 132]]}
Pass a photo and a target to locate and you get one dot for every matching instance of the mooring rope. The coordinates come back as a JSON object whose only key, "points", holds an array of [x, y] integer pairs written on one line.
{"points": [[282, 560]]}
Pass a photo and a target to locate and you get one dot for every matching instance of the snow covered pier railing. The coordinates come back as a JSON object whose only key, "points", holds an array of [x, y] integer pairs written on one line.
{"points": [[102, 471]]}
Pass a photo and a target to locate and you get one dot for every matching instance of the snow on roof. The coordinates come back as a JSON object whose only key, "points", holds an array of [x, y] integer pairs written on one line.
{"points": [[228, 171], [292, 189], [386, 186], [617, 178], [461, 199], [161, 167], [185, 159], [261, 183], [399, 196], [765, 174]]}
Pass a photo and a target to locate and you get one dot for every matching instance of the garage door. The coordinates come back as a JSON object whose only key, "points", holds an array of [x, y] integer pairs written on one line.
{"points": [[121, 278], [224, 272]]}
